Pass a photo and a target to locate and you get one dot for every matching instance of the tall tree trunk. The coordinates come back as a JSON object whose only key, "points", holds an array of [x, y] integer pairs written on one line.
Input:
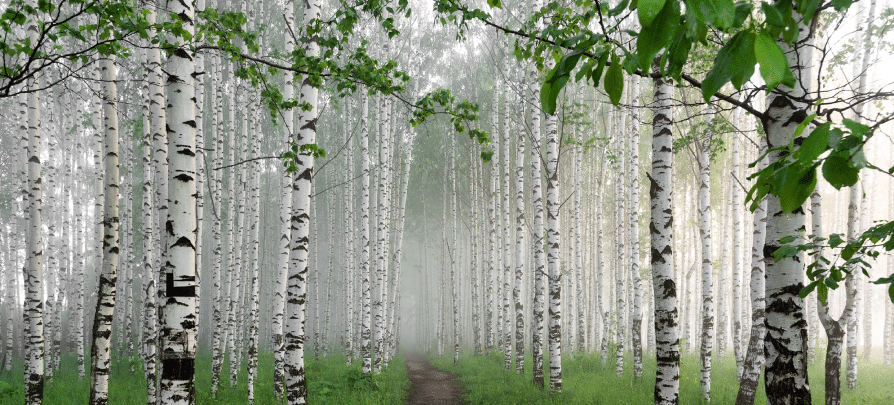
{"points": [[365, 291], [537, 237], [296, 384], [34, 365], [704, 198], [785, 344], [834, 329], [552, 252], [754, 360], [179, 316], [854, 229], [637, 304], [285, 209], [667, 340], [150, 316], [519, 253], [100, 354]]}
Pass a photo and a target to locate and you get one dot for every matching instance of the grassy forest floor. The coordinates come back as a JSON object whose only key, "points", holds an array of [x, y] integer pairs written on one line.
{"points": [[584, 381], [330, 382], [481, 379]]}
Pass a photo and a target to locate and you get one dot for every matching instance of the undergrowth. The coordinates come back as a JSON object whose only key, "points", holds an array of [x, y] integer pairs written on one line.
{"points": [[483, 380], [330, 381]]}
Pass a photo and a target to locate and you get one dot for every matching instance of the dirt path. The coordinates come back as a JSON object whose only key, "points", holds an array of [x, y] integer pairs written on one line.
{"points": [[430, 386]]}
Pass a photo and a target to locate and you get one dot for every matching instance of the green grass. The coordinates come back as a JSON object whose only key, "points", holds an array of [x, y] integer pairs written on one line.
{"points": [[330, 381], [484, 381]]}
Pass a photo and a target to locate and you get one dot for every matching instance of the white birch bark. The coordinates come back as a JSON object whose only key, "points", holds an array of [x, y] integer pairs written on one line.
{"points": [[296, 384], [552, 252], [707, 312], [100, 353], [637, 304], [537, 237], [785, 343], [519, 253], [853, 231], [365, 291], [835, 329], [34, 365], [754, 360], [150, 316], [667, 379], [177, 384], [285, 209]]}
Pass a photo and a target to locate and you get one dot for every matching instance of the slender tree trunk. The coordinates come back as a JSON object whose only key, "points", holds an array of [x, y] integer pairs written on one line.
{"points": [[785, 344], [285, 209], [552, 252], [754, 361], [296, 384], [537, 237], [519, 253], [365, 293], [704, 197], [637, 304], [100, 354], [667, 379], [179, 317], [150, 316], [34, 365]]}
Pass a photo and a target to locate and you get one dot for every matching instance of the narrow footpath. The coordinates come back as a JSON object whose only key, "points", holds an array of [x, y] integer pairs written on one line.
{"points": [[430, 386]]}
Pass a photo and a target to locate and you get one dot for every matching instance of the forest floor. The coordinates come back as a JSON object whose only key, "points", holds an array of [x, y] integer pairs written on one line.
{"points": [[429, 385], [483, 380]]}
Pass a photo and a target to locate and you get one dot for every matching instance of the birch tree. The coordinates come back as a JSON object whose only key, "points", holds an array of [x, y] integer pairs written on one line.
{"points": [[100, 353], [177, 384]]}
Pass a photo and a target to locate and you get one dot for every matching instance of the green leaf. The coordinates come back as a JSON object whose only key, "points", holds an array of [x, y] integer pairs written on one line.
{"points": [[815, 144], [647, 10], [857, 129], [614, 80], [841, 4], [822, 293], [654, 37], [722, 13], [835, 135], [807, 8], [838, 173], [772, 15], [849, 250], [743, 10], [495, 4], [796, 186], [619, 8], [774, 66], [728, 63]]}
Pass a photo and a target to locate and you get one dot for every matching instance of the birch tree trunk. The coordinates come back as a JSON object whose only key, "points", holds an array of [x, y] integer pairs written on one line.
{"points": [[834, 329], [285, 209], [34, 365], [179, 317], [853, 231], [637, 304], [365, 293], [150, 315], [704, 198], [754, 361], [552, 252], [519, 253], [537, 237], [785, 344], [667, 379], [296, 384], [100, 353]]}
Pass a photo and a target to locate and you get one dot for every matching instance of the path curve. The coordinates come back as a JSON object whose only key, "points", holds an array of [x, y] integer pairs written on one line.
{"points": [[430, 386]]}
